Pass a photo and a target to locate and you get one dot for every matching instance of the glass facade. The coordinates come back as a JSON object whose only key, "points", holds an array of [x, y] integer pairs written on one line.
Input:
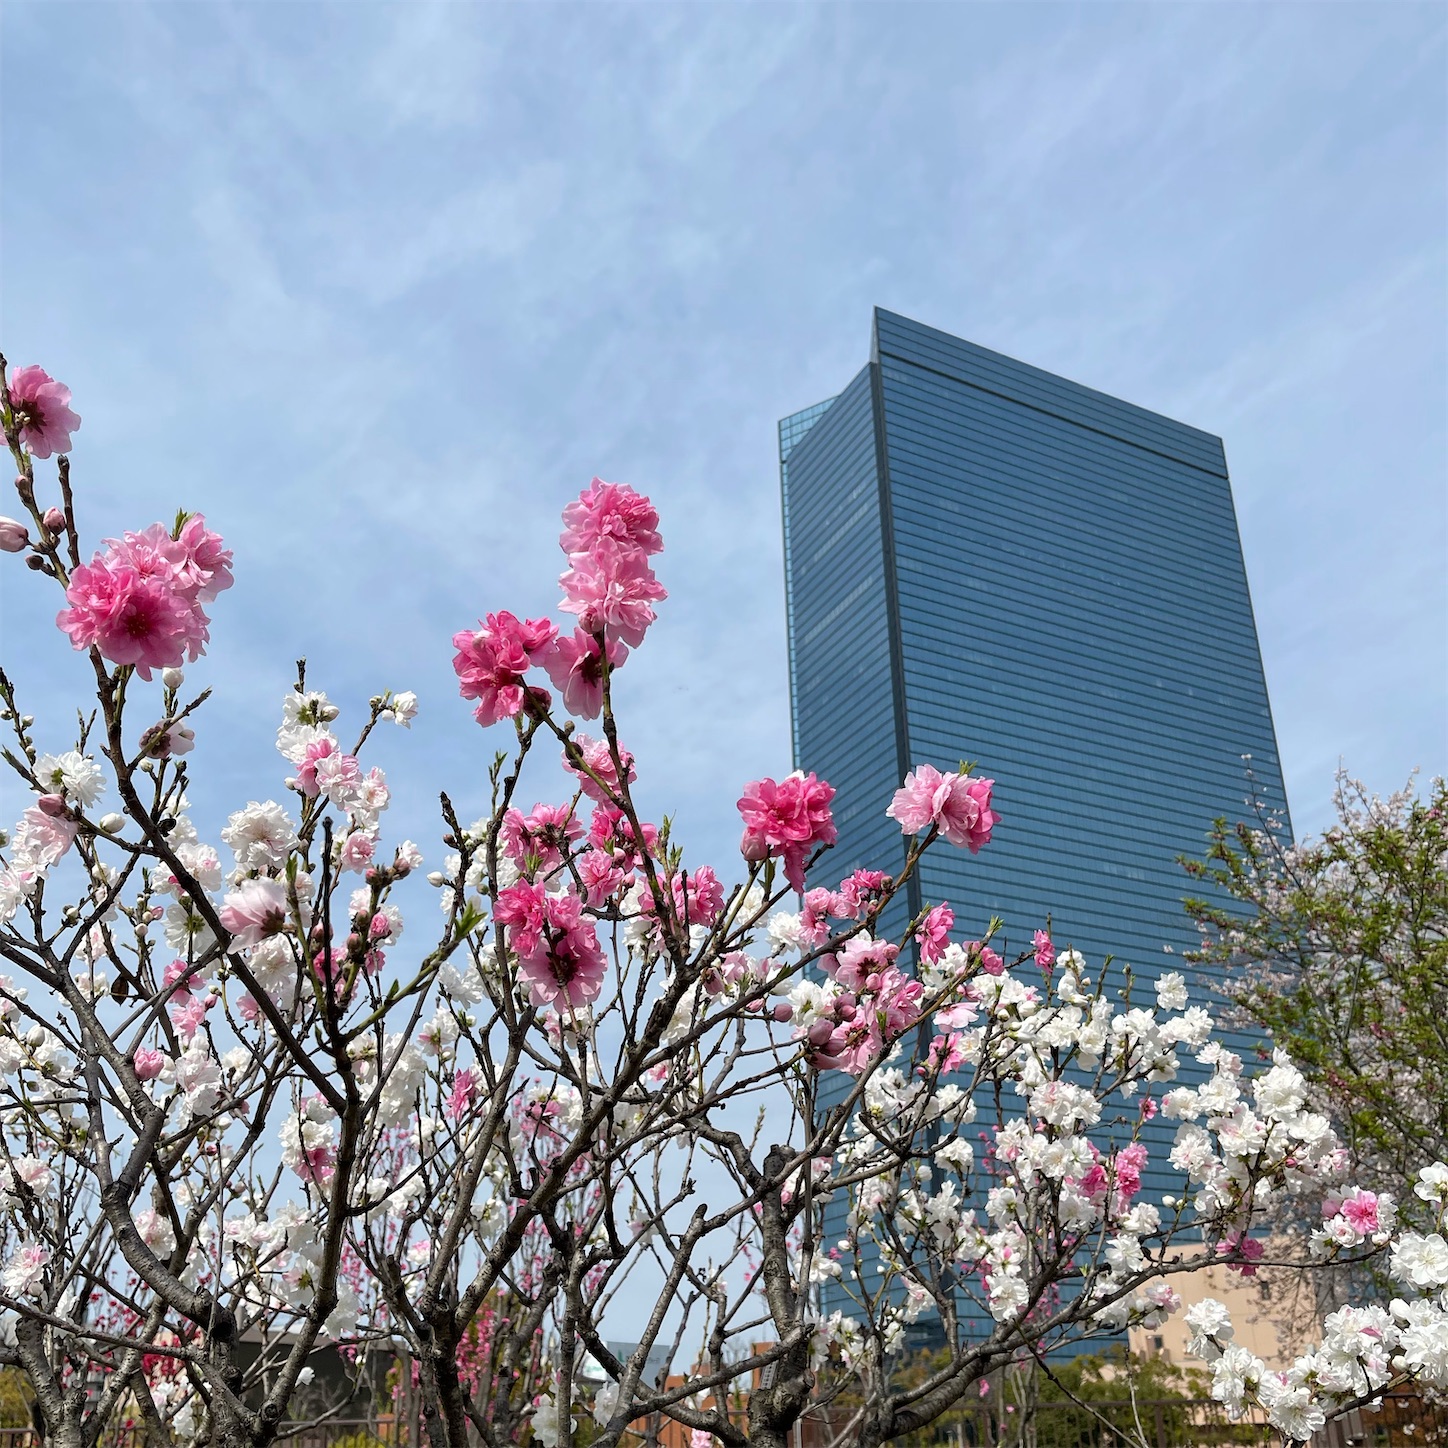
{"points": [[986, 562]]}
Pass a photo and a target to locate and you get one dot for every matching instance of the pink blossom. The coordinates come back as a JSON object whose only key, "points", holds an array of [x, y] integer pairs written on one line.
{"points": [[538, 840], [182, 975], [1360, 1211], [148, 1064], [609, 830], [521, 908], [14, 537], [934, 933], [612, 590], [188, 1012], [42, 838], [851, 1045], [356, 851], [196, 562], [600, 876], [947, 1053], [576, 667], [1246, 1250], [254, 911], [131, 617], [614, 511], [788, 819], [814, 926], [565, 966], [958, 804], [596, 772], [858, 959], [985, 957], [201, 562], [1127, 1167], [24, 1274], [42, 411], [463, 1088], [1045, 951], [861, 893], [490, 664], [700, 900]]}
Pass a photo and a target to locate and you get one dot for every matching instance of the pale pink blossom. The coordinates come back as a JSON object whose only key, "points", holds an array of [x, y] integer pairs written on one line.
{"points": [[612, 589], [255, 910], [575, 664], [42, 838], [188, 1013], [24, 1274], [490, 664], [788, 819], [596, 771], [610, 510], [958, 804], [148, 1063], [42, 411]]}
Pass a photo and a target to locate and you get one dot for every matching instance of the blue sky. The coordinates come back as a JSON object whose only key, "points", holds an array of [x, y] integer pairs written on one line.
{"points": [[379, 287]]}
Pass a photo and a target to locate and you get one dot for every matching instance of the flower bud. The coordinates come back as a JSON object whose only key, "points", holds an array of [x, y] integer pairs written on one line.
{"points": [[34, 563], [13, 536], [436, 878], [783, 1012], [820, 1032], [172, 678], [111, 824], [54, 520], [52, 804]]}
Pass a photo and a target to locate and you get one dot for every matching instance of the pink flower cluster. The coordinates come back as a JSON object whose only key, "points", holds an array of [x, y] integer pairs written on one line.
{"points": [[609, 535], [787, 819], [877, 1005], [559, 957], [490, 664], [42, 411], [140, 601], [955, 804]]}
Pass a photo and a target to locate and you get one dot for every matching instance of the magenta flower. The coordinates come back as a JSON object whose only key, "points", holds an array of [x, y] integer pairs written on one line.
{"points": [[134, 618], [610, 510], [1045, 951], [490, 664], [699, 901], [957, 804], [612, 589], [787, 819], [861, 893], [521, 908], [565, 967], [538, 840], [575, 666], [42, 411], [1246, 1250], [934, 933]]}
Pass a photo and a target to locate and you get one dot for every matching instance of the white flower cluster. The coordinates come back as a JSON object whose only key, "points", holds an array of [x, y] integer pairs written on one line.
{"points": [[1363, 1349]]}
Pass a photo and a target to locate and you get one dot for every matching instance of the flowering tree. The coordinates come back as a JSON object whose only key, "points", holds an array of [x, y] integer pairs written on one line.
{"points": [[1338, 947], [241, 1120]]}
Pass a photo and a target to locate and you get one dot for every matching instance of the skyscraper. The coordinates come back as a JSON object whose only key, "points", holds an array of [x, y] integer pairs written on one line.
{"points": [[987, 562]]}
